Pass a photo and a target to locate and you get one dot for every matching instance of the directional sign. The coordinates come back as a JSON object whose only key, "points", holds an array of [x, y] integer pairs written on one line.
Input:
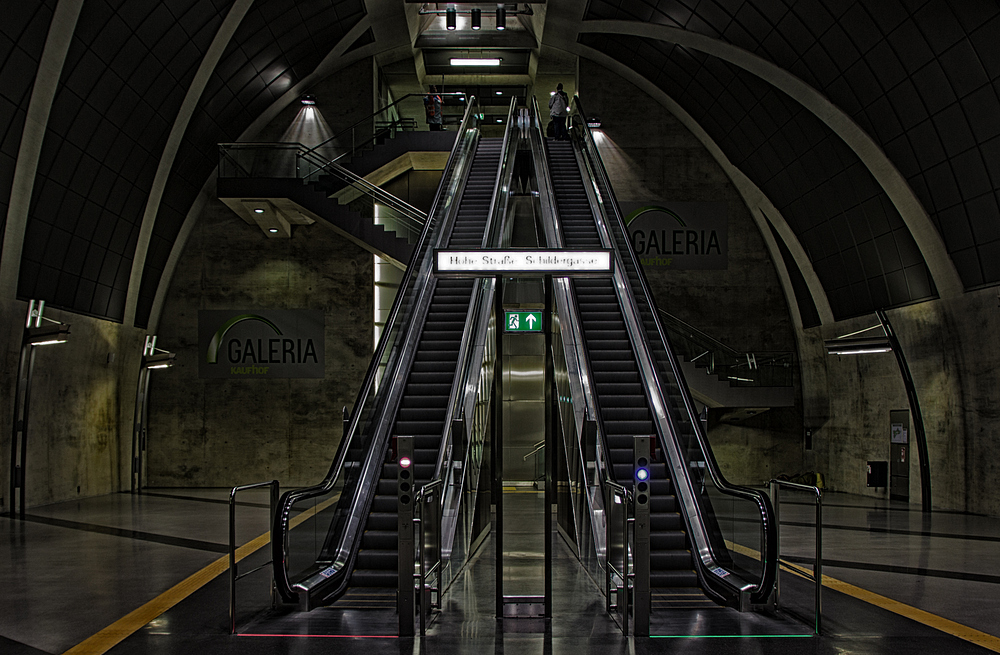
{"points": [[523, 321], [523, 262]]}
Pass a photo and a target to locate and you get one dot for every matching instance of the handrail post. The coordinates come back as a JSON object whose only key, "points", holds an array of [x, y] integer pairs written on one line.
{"points": [[421, 500], [233, 567], [272, 508], [623, 596], [818, 568], [817, 576], [232, 562], [775, 600]]}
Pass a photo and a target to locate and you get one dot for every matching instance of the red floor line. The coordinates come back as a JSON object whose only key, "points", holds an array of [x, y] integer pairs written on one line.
{"points": [[249, 634]]}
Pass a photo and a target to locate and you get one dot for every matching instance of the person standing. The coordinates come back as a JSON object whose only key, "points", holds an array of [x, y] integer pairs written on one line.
{"points": [[432, 107], [558, 110]]}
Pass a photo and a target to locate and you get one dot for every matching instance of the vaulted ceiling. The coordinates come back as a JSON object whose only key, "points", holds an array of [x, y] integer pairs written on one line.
{"points": [[871, 129]]}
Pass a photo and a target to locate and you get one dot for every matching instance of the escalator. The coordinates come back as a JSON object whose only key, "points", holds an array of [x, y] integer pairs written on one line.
{"points": [[347, 554], [620, 394], [711, 542], [424, 404]]}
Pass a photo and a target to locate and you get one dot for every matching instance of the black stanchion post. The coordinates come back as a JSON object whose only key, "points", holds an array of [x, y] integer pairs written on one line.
{"points": [[640, 585], [404, 509]]}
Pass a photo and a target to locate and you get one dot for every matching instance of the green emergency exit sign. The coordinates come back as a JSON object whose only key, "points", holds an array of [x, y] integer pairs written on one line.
{"points": [[523, 321]]}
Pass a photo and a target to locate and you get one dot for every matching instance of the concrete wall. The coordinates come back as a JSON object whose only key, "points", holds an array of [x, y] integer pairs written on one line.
{"points": [[950, 345], [79, 401], [651, 157], [953, 357], [228, 432], [225, 432]]}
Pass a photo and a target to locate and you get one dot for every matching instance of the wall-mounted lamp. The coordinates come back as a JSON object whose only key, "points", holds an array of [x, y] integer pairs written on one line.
{"points": [[477, 18], [450, 17], [308, 100], [35, 334], [501, 17], [47, 334], [857, 345], [152, 358]]}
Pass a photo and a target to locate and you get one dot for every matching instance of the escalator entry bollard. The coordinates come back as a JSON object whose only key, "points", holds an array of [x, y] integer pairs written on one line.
{"points": [[404, 508]]}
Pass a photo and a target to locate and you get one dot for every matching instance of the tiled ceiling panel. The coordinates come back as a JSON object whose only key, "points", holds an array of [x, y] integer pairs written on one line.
{"points": [[22, 38], [921, 78], [128, 67], [861, 250], [278, 43]]}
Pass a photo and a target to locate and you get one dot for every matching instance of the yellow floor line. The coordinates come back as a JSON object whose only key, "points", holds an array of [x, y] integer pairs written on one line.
{"points": [[109, 637], [948, 626]]}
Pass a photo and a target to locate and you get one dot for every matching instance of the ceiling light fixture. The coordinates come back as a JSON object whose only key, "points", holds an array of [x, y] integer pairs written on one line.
{"points": [[501, 17], [450, 18], [474, 62], [308, 100], [258, 211], [477, 18], [273, 230]]}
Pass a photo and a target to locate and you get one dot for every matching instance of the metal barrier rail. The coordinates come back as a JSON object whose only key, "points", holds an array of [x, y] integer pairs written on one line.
{"points": [[421, 499], [233, 572], [618, 495], [817, 576]]}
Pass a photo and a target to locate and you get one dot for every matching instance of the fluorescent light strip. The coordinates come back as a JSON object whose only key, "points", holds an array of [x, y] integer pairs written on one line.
{"points": [[475, 62]]}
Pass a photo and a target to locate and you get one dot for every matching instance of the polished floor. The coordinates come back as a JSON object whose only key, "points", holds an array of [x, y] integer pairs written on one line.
{"points": [[129, 574]]}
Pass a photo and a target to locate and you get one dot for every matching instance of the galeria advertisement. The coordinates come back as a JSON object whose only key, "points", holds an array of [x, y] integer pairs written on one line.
{"points": [[679, 235], [261, 343]]}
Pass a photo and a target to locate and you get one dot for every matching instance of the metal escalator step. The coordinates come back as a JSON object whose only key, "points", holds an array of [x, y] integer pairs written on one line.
{"points": [[666, 599], [408, 427], [630, 428], [665, 522], [376, 559], [667, 540], [670, 560], [418, 396], [673, 579], [381, 521], [626, 415], [374, 577]]}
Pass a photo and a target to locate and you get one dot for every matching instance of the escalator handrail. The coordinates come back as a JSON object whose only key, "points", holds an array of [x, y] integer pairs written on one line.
{"points": [[280, 521], [769, 554]]}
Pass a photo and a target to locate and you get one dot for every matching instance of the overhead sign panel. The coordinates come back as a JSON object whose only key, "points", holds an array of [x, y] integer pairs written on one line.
{"points": [[523, 262]]}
